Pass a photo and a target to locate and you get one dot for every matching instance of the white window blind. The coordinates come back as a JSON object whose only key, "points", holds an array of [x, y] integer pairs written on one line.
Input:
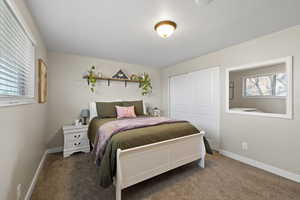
{"points": [[17, 67]]}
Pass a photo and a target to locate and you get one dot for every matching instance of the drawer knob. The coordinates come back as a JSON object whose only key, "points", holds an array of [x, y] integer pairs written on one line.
{"points": [[75, 144]]}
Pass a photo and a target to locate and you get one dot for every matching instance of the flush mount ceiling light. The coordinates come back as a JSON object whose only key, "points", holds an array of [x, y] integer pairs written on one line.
{"points": [[165, 28]]}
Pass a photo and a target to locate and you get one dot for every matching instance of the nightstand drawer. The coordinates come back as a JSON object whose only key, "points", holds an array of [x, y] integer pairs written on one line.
{"points": [[76, 136], [74, 144]]}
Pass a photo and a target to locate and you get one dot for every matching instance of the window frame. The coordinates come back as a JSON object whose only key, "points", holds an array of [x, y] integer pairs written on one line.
{"points": [[288, 62], [20, 100], [273, 96]]}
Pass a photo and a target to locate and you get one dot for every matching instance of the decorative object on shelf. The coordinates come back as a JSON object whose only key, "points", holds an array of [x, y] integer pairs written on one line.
{"points": [[134, 77], [156, 112], [145, 84], [120, 75], [42, 84], [85, 113], [92, 79]]}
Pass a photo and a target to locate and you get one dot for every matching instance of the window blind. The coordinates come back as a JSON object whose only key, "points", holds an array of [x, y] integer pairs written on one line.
{"points": [[17, 67]]}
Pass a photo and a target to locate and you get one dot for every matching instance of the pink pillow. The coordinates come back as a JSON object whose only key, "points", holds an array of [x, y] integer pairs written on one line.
{"points": [[125, 112]]}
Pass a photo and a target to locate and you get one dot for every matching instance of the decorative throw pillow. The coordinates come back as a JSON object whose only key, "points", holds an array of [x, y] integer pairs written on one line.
{"points": [[125, 112], [138, 106]]}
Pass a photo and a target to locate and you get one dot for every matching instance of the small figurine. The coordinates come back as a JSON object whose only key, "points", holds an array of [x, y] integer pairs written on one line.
{"points": [[120, 75]]}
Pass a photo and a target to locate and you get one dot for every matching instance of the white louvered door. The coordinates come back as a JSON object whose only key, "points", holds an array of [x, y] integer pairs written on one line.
{"points": [[196, 97]]}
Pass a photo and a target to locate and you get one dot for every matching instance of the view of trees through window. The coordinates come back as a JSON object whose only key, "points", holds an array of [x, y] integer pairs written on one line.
{"points": [[266, 85]]}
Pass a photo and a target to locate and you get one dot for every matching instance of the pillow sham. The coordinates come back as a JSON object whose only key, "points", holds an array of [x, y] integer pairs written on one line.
{"points": [[107, 109], [125, 112], [138, 106]]}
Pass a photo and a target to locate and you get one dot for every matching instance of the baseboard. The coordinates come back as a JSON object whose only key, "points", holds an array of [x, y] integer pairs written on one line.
{"points": [[35, 177], [263, 166], [38, 170], [55, 150]]}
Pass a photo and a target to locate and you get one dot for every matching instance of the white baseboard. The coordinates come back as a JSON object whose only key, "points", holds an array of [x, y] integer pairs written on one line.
{"points": [[35, 177], [260, 165], [38, 170], [55, 150]]}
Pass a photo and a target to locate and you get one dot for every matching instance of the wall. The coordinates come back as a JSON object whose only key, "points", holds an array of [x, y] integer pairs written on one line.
{"points": [[69, 92], [267, 104], [273, 141], [22, 141]]}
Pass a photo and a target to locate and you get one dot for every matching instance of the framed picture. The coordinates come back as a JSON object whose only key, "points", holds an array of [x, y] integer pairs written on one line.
{"points": [[42, 84]]}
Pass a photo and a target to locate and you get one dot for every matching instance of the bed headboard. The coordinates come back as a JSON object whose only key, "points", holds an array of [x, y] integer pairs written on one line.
{"points": [[93, 108]]}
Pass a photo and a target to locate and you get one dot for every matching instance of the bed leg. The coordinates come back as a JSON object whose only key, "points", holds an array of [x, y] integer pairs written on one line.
{"points": [[118, 177], [118, 193], [201, 162]]}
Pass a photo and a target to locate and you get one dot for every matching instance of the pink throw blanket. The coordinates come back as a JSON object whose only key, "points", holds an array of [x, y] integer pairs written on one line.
{"points": [[106, 131]]}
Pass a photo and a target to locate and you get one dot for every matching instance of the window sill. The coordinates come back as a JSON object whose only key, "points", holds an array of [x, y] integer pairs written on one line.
{"points": [[264, 97], [17, 102], [272, 115]]}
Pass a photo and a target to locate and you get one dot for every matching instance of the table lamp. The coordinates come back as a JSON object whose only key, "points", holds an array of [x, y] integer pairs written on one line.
{"points": [[85, 113]]}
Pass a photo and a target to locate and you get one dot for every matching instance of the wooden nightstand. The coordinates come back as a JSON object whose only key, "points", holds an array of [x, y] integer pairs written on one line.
{"points": [[75, 139]]}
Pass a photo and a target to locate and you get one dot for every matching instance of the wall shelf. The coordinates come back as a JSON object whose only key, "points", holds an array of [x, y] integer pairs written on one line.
{"points": [[114, 79]]}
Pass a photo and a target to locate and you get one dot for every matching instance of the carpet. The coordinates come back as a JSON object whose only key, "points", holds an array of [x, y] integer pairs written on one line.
{"points": [[74, 178]]}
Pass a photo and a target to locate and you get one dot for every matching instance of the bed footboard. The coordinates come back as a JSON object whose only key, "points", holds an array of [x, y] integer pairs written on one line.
{"points": [[140, 163]]}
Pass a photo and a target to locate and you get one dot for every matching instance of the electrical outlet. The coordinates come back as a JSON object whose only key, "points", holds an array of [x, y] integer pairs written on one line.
{"points": [[244, 146], [19, 191]]}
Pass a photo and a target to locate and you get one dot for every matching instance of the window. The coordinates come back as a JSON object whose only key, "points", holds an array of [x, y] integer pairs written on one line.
{"points": [[17, 62], [281, 85], [270, 85]]}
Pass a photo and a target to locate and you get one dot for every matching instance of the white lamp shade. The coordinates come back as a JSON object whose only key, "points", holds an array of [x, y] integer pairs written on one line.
{"points": [[165, 30]]}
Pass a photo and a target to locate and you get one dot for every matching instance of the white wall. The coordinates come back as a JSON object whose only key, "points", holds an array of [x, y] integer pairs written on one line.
{"points": [[267, 104], [22, 141], [273, 141], [69, 92]]}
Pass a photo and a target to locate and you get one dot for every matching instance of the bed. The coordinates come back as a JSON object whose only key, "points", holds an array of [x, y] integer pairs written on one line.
{"points": [[156, 149]]}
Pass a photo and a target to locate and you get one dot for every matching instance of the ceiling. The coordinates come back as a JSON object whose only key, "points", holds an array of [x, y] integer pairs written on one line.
{"points": [[123, 30]]}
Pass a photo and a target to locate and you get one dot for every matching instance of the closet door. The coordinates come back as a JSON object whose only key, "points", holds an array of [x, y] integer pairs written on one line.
{"points": [[195, 97]]}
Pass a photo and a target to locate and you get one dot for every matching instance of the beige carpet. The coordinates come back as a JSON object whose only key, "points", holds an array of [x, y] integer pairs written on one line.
{"points": [[74, 178]]}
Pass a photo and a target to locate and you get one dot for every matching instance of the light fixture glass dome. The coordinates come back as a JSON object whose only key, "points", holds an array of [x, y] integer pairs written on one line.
{"points": [[165, 28]]}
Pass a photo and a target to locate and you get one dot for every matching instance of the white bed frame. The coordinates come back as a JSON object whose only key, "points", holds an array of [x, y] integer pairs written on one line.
{"points": [[137, 164]]}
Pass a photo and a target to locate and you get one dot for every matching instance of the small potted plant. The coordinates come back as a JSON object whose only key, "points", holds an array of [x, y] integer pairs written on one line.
{"points": [[92, 79], [145, 84]]}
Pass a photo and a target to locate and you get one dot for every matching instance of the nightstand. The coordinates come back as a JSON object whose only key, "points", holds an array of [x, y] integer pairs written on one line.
{"points": [[75, 139]]}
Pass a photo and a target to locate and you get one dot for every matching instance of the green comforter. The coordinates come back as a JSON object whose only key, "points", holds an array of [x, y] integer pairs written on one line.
{"points": [[133, 138]]}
